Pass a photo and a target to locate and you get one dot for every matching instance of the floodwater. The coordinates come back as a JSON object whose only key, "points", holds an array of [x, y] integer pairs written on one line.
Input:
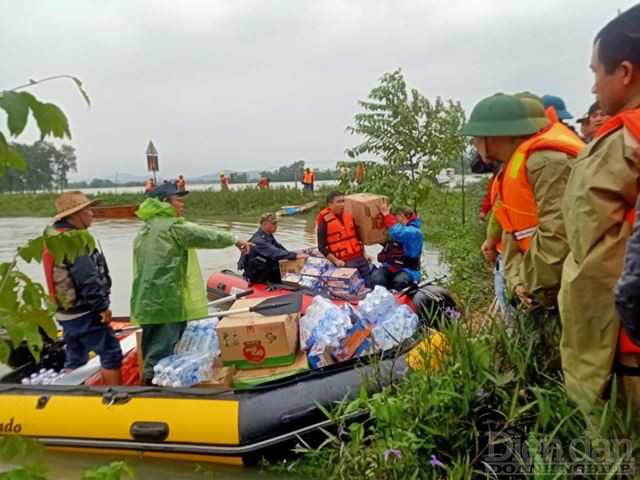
{"points": [[115, 238]]}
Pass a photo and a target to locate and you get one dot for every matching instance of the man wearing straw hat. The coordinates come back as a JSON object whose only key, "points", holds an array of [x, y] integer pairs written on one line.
{"points": [[81, 289]]}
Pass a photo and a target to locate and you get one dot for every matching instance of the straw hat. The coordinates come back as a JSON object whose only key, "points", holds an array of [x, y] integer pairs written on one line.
{"points": [[68, 203]]}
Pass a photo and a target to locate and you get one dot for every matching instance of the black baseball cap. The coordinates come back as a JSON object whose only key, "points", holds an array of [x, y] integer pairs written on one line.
{"points": [[164, 191]]}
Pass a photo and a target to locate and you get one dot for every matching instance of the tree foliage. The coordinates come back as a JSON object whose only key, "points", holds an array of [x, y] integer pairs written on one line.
{"points": [[412, 136], [25, 308], [47, 168]]}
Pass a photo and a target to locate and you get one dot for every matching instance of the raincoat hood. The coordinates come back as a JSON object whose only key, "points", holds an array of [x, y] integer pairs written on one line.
{"points": [[152, 207]]}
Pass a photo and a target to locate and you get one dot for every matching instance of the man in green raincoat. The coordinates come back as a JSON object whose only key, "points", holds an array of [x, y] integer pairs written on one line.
{"points": [[601, 191], [167, 283]]}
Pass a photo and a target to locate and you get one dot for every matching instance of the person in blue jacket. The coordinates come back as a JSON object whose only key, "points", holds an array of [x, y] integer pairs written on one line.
{"points": [[401, 254]]}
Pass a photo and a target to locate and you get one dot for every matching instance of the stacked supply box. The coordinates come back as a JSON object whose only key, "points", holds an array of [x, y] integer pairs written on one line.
{"points": [[250, 340], [365, 208], [342, 282]]}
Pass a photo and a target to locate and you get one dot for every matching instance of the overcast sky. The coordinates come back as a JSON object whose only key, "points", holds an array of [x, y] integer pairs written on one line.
{"points": [[247, 85]]}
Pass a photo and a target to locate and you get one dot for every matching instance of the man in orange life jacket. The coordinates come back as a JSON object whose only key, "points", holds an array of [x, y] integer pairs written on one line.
{"points": [[338, 238], [308, 179], [181, 184], [81, 290], [598, 212], [149, 186], [526, 195]]}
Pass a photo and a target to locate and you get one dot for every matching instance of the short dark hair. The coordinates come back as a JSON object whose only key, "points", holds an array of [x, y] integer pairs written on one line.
{"points": [[332, 196], [594, 108], [619, 40], [406, 211]]}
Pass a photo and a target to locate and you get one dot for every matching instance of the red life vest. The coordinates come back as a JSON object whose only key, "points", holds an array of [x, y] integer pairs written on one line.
{"points": [[48, 262], [181, 184], [342, 236], [630, 119], [518, 212]]}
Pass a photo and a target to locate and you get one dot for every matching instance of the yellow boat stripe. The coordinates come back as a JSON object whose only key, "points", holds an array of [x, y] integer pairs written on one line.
{"points": [[190, 457], [204, 421]]}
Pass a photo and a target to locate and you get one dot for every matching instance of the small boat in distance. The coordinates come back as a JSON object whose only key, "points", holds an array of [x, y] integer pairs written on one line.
{"points": [[115, 211], [295, 209]]}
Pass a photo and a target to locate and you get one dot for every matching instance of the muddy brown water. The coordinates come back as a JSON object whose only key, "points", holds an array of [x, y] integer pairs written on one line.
{"points": [[116, 238]]}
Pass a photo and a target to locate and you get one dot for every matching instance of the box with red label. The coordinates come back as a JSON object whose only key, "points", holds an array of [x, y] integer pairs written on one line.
{"points": [[250, 340], [344, 278], [365, 208], [356, 342]]}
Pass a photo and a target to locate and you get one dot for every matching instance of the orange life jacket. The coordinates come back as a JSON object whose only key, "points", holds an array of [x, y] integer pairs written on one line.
{"points": [[342, 236], [308, 177], [264, 183], [552, 114], [630, 119], [149, 185], [517, 212], [359, 171], [181, 183]]}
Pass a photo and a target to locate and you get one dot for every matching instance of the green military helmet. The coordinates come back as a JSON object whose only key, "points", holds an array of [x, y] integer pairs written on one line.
{"points": [[499, 116], [535, 109]]}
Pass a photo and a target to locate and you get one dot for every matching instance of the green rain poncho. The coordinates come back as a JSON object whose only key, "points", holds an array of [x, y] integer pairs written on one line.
{"points": [[167, 282]]}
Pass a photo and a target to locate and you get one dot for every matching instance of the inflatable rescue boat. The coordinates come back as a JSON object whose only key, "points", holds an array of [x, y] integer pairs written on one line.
{"points": [[195, 424]]}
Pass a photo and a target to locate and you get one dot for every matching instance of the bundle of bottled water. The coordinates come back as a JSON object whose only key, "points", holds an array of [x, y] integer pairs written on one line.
{"points": [[324, 324], [200, 337], [193, 361], [183, 370], [401, 324], [44, 376], [378, 305]]}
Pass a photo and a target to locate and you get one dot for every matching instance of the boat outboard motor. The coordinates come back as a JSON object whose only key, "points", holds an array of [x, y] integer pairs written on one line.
{"points": [[431, 301]]}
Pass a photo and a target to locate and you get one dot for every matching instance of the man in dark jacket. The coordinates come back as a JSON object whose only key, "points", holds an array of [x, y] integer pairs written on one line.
{"points": [[400, 256], [261, 265], [81, 289]]}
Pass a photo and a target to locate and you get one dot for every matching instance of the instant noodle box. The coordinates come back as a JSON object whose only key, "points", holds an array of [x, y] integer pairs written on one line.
{"points": [[250, 340], [365, 208]]}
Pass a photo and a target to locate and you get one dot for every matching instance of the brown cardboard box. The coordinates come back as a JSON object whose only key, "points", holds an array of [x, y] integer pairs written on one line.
{"points": [[250, 340], [251, 378], [291, 266], [365, 208]]}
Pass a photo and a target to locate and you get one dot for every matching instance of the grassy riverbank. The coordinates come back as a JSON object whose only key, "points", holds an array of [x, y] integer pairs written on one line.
{"points": [[249, 201], [493, 393]]}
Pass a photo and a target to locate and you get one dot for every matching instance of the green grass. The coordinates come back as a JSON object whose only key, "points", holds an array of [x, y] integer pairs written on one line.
{"points": [[249, 201], [438, 424]]}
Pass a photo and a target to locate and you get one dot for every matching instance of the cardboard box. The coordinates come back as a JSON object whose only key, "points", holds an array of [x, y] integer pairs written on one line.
{"points": [[344, 278], [250, 340], [365, 208], [355, 343], [323, 263], [320, 357], [251, 378], [291, 279], [291, 266], [221, 378], [312, 271]]}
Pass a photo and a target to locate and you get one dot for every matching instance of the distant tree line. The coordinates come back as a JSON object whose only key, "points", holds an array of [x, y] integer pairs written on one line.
{"points": [[47, 169], [295, 172]]}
